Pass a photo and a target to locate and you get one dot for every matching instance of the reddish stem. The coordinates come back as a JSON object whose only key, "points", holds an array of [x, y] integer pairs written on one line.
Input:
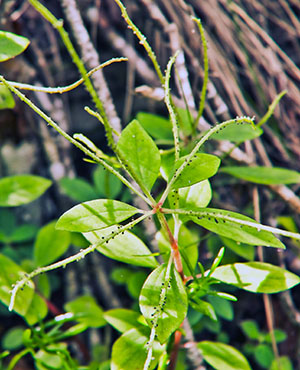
{"points": [[175, 350]]}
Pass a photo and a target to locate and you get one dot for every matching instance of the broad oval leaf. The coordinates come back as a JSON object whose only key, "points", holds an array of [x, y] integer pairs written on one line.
{"points": [[129, 352], [95, 214], [11, 45], [238, 133], [141, 154], [10, 273], [158, 127], [21, 189], [199, 168], [125, 247], [215, 221], [78, 189], [6, 98], [50, 244], [195, 196], [122, 319], [264, 175], [86, 311], [256, 277], [175, 306], [222, 356]]}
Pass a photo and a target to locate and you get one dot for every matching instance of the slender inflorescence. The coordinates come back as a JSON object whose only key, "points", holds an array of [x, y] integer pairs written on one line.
{"points": [[205, 77], [158, 312], [204, 138], [73, 141], [221, 216], [76, 257]]}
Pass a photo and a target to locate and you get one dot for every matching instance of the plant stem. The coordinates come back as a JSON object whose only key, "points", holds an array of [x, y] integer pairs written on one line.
{"points": [[205, 78], [204, 138], [76, 257], [142, 39], [257, 226], [75, 142], [58, 24]]}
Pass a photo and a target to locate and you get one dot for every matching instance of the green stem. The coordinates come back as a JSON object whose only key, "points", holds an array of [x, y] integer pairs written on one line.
{"points": [[76, 257], [205, 78], [18, 357], [63, 89], [58, 24], [142, 39], [204, 138], [271, 108], [162, 297], [170, 107], [75, 142]]}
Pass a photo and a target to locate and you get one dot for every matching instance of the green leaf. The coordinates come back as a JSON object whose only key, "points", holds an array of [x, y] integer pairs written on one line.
{"points": [[205, 308], [37, 310], [175, 307], [257, 277], [250, 329], [21, 189], [141, 154], [11, 45], [10, 273], [222, 307], [107, 185], [282, 363], [86, 311], [215, 221], [222, 356], [264, 355], [95, 214], [50, 244], [129, 352], [52, 357], [78, 189], [6, 98], [122, 319], [135, 283], [199, 168], [12, 339], [23, 233], [241, 249], [7, 221], [238, 133], [264, 175], [125, 247], [158, 127], [280, 336], [195, 196]]}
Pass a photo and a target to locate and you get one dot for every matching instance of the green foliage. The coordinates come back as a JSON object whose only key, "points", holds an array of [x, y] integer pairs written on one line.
{"points": [[94, 215], [222, 356], [21, 189], [50, 244], [11, 45], [6, 98], [170, 165], [264, 175], [257, 277], [141, 155]]}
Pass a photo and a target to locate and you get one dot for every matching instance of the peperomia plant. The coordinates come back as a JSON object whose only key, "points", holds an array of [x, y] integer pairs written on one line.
{"points": [[172, 179]]}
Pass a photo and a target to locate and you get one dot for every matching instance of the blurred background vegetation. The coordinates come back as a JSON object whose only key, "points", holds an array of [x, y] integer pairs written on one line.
{"points": [[254, 54]]}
